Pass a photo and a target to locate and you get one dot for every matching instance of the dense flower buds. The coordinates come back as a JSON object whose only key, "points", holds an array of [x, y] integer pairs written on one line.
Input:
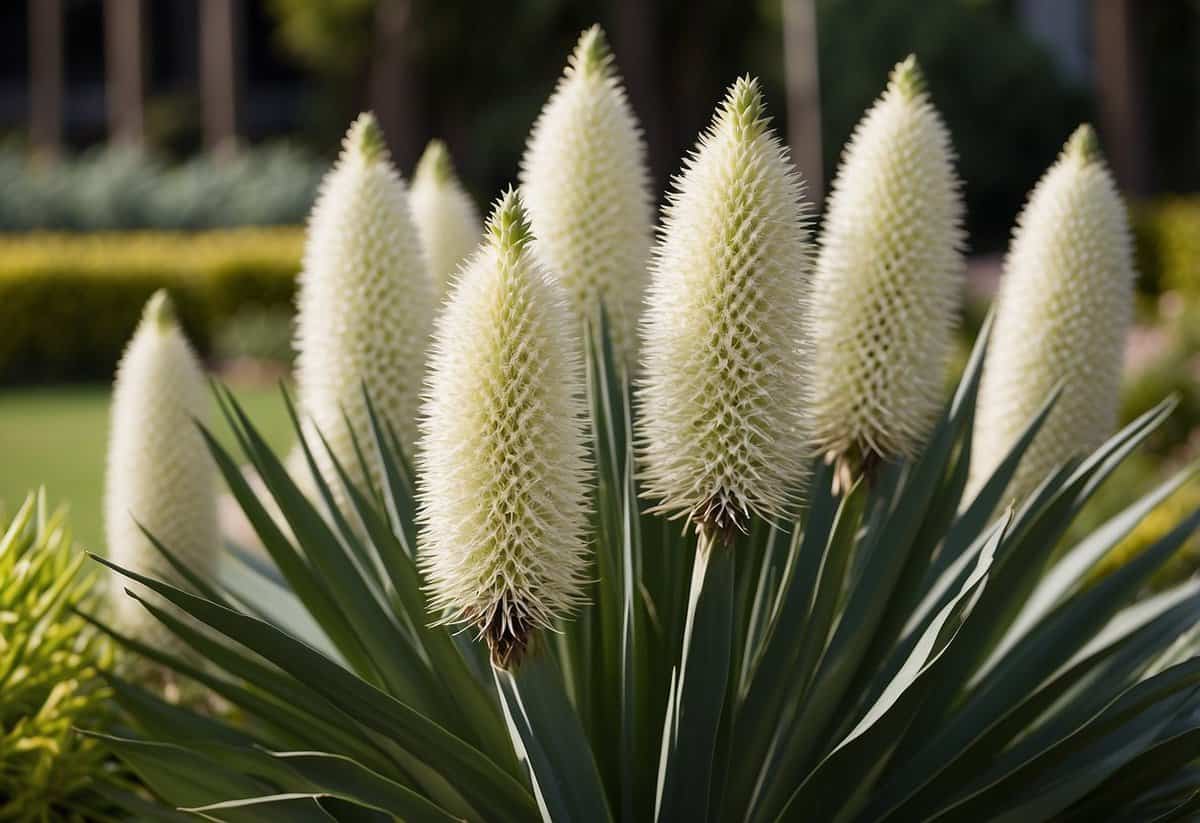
{"points": [[160, 473], [445, 216], [365, 303], [1063, 310], [722, 398], [587, 188], [503, 466], [888, 282]]}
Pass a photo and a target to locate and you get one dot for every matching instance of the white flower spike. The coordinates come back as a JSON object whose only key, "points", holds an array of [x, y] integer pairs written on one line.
{"points": [[888, 282], [364, 306], [722, 398], [445, 216], [160, 473], [1062, 313], [587, 188], [503, 497]]}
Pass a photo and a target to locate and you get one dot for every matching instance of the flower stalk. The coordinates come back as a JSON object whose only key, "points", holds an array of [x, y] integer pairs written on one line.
{"points": [[723, 393], [503, 496], [1064, 306], [888, 283], [364, 306], [160, 476], [586, 184], [445, 216]]}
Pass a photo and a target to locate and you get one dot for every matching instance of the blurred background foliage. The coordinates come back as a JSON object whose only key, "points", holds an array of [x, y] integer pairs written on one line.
{"points": [[69, 301], [107, 188], [476, 75]]}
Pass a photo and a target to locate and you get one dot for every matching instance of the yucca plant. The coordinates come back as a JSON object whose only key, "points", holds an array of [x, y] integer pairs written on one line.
{"points": [[891, 651], [891, 658]]}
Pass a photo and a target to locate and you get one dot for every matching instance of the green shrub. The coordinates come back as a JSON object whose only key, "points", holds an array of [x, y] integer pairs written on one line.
{"points": [[50, 665], [114, 188], [1168, 244], [1184, 562], [256, 334], [68, 303], [1174, 374]]}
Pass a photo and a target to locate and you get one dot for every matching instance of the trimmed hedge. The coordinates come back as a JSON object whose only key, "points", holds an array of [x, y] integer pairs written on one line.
{"points": [[1168, 244], [68, 303]]}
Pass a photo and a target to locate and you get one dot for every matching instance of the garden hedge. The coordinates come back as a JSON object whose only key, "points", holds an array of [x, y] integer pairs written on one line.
{"points": [[68, 303], [1168, 240]]}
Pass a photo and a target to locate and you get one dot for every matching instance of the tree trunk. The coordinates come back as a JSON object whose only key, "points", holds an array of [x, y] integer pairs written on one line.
{"points": [[634, 44], [1118, 93], [396, 93], [219, 34], [45, 77], [124, 62], [803, 92]]}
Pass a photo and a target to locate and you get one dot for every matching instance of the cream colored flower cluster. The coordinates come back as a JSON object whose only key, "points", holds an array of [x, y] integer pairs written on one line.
{"points": [[445, 216], [160, 477], [503, 454], [587, 188], [889, 280], [723, 396], [366, 303], [752, 350], [1063, 310]]}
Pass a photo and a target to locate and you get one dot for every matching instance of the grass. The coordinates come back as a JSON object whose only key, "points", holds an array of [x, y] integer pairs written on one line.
{"points": [[57, 437]]}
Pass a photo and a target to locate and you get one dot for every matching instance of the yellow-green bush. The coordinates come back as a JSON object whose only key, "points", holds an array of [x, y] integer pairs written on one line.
{"points": [[1185, 562], [51, 673], [1168, 242], [69, 302]]}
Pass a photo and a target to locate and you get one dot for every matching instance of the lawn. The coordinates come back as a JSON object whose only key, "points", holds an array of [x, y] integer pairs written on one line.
{"points": [[57, 436]]}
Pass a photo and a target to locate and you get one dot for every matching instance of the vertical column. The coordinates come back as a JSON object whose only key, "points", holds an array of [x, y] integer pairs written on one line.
{"points": [[45, 76], [1118, 81], [124, 65], [634, 40], [803, 92], [397, 91], [219, 73]]}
